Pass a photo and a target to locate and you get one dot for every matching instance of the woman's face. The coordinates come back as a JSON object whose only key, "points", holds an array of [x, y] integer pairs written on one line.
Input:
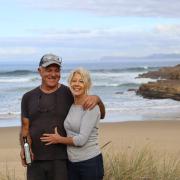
{"points": [[77, 85]]}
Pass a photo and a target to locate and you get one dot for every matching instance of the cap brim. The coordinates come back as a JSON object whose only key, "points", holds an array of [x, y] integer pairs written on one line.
{"points": [[49, 63]]}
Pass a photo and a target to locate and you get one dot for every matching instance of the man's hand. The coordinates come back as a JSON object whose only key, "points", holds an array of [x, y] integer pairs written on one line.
{"points": [[23, 161], [22, 155], [90, 102]]}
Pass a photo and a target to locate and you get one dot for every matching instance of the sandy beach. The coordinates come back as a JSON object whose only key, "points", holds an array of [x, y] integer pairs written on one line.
{"points": [[161, 136]]}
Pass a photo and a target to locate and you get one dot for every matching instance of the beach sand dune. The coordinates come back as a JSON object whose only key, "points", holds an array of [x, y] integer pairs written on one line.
{"points": [[161, 136]]}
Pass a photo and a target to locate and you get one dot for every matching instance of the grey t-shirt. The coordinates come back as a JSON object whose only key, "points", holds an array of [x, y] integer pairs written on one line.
{"points": [[82, 125]]}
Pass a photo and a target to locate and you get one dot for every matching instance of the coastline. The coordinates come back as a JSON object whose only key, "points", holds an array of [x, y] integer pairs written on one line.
{"points": [[153, 131], [114, 118], [161, 136]]}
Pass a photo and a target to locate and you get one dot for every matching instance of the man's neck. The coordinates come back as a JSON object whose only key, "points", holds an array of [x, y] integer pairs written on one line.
{"points": [[47, 89]]}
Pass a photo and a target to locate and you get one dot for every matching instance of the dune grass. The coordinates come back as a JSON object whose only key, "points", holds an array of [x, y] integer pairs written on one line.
{"points": [[141, 165], [9, 173], [144, 164]]}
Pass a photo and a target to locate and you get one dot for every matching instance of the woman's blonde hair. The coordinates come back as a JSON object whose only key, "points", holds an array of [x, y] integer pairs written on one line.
{"points": [[85, 76]]}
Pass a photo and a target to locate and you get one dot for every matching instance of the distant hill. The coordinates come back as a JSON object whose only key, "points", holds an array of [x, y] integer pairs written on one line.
{"points": [[164, 56]]}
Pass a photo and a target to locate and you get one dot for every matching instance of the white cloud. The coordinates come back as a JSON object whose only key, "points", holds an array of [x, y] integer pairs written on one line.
{"points": [[171, 29], [146, 8], [16, 51], [83, 43], [73, 44]]}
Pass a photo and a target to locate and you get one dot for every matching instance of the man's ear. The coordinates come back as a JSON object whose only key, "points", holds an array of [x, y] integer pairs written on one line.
{"points": [[39, 70]]}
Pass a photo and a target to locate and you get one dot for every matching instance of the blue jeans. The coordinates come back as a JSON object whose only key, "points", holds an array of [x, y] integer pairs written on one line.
{"points": [[91, 169]]}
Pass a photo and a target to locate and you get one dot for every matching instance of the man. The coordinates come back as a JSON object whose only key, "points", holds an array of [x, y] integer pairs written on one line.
{"points": [[43, 109]]}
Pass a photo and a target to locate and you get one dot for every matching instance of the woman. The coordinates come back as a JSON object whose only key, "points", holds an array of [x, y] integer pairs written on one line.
{"points": [[85, 158]]}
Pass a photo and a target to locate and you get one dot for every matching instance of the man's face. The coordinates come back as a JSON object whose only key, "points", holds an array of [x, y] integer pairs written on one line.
{"points": [[50, 75]]}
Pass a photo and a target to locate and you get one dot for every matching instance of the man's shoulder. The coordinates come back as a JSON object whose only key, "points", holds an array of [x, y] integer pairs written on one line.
{"points": [[64, 89], [65, 92], [31, 92], [94, 110]]}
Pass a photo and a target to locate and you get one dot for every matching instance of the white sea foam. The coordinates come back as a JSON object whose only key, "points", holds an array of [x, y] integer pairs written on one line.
{"points": [[13, 80], [18, 79], [9, 115]]}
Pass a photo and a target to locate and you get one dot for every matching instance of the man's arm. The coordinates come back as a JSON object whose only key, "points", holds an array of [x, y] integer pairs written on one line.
{"points": [[102, 108], [24, 130], [91, 101]]}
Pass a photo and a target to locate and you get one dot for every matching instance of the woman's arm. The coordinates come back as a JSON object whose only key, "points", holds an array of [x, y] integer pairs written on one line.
{"points": [[88, 123], [56, 138]]}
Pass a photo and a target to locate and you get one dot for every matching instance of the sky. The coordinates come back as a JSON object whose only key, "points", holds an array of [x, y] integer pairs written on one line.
{"points": [[87, 30]]}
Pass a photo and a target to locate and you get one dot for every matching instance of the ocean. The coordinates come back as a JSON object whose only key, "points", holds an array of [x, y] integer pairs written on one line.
{"points": [[113, 81]]}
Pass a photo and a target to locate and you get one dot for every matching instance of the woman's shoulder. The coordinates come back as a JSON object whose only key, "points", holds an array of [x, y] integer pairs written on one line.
{"points": [[80, 109], [95, 110]]}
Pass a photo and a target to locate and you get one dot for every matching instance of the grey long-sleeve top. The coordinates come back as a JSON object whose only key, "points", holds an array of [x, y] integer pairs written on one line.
{"points": [[82, 125]]}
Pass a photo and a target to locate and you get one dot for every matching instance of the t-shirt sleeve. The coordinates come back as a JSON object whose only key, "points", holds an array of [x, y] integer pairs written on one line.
{"points": [[89, 121], [24, 107]]}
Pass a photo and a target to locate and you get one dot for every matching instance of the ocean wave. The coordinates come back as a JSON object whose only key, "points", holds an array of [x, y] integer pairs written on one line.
{"points": [[114, 70], [132, 69], [17, 89], [9, 115], [142, 110], [17, 73], [117, 85], [129, 85], [35, 79], [16, 80], [19, 79]]}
